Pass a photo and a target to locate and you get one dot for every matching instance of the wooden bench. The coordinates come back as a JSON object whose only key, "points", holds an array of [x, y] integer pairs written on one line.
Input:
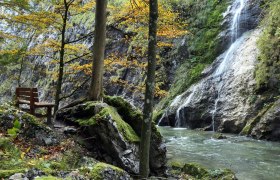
{"points": [[29, 96]]}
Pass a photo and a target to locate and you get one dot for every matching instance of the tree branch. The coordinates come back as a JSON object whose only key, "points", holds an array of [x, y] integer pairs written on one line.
{"points": [[75, 90], [76, 58], [81, 38]]}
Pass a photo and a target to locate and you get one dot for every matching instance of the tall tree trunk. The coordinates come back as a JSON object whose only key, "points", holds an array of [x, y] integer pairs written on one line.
{"points": [[96, 88], [61, 57], [149, 94]]}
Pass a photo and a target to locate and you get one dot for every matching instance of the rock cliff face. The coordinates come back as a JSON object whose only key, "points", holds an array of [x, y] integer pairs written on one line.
{"points": [[223, 99]]}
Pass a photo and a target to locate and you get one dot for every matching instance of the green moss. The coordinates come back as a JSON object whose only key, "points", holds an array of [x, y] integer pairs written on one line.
{"points": [[176, 165], [157, 115], [253, 122], [195, 170], [267, 73], [106, 112], [124, 108], [129, 114], [221, 174], [47, 178], [122, 126], [8, 173], [98, 170]]}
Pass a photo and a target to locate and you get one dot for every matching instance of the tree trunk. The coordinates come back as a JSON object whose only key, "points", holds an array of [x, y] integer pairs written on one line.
{"points": [[96, 88], [149, 94], [61, 58]]}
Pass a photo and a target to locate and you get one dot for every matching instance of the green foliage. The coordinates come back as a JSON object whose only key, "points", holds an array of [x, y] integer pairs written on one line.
{"points": [[9, 155], [8, 173], [14, 131], [268, 70]]}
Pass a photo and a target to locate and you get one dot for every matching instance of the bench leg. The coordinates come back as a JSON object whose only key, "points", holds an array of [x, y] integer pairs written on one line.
{"points": [[49, 114], [32, 110]]}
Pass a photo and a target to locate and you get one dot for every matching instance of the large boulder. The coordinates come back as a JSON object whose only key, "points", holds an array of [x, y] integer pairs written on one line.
{"points": [[111, 134], [134, 118], [116, 128]]}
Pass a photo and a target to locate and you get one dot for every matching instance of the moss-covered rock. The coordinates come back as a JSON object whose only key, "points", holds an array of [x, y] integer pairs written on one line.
{"points": [[254, 121], [130, 114], [8, 173], [107, 172], [196, 171], [134, 117], [112, 134], [47, 178]]}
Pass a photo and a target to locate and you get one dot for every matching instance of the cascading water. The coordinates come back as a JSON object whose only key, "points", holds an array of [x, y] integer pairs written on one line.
{"points": [[238, 6]]}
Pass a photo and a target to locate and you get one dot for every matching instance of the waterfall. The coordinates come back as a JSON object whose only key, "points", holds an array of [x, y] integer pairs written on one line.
{"points": [[218, 76], [238, 6]]}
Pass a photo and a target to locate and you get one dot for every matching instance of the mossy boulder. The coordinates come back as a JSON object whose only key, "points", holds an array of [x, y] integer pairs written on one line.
{"points": [[8, 173], [109, 132], [116, 126], [134, 117], [103, 171], [196, 171]]}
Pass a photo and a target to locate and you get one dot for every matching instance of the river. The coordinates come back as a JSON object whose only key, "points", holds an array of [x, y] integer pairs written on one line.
{"points": [[250, 159]]}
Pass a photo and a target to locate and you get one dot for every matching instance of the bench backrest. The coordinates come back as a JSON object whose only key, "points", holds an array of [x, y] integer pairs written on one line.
{"points": [[27, 94]]}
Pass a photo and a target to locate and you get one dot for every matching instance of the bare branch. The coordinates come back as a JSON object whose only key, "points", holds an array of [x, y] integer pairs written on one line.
{"points": [[75, 90]]}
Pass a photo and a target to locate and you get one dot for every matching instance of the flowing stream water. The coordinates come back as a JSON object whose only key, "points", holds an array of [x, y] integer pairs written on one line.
{"points": [[250, 159]]}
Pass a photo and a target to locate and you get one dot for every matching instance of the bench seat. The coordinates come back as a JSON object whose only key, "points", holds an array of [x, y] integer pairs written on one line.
{"points": [[29, 96]]}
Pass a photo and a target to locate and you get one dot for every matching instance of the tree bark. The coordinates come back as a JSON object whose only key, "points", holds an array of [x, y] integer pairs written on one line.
{"points": [[61, 57], [96, 88], [149, 94]]}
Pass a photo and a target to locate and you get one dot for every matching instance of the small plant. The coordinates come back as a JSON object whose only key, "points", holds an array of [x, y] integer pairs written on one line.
{"points": [[13, 132]]}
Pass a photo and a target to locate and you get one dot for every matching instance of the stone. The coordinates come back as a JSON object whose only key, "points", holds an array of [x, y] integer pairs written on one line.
{"points": [[32, 173], [113, 135], [18, 176], [134, 118], [69, 130], [102, 171], [219, 136]]}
